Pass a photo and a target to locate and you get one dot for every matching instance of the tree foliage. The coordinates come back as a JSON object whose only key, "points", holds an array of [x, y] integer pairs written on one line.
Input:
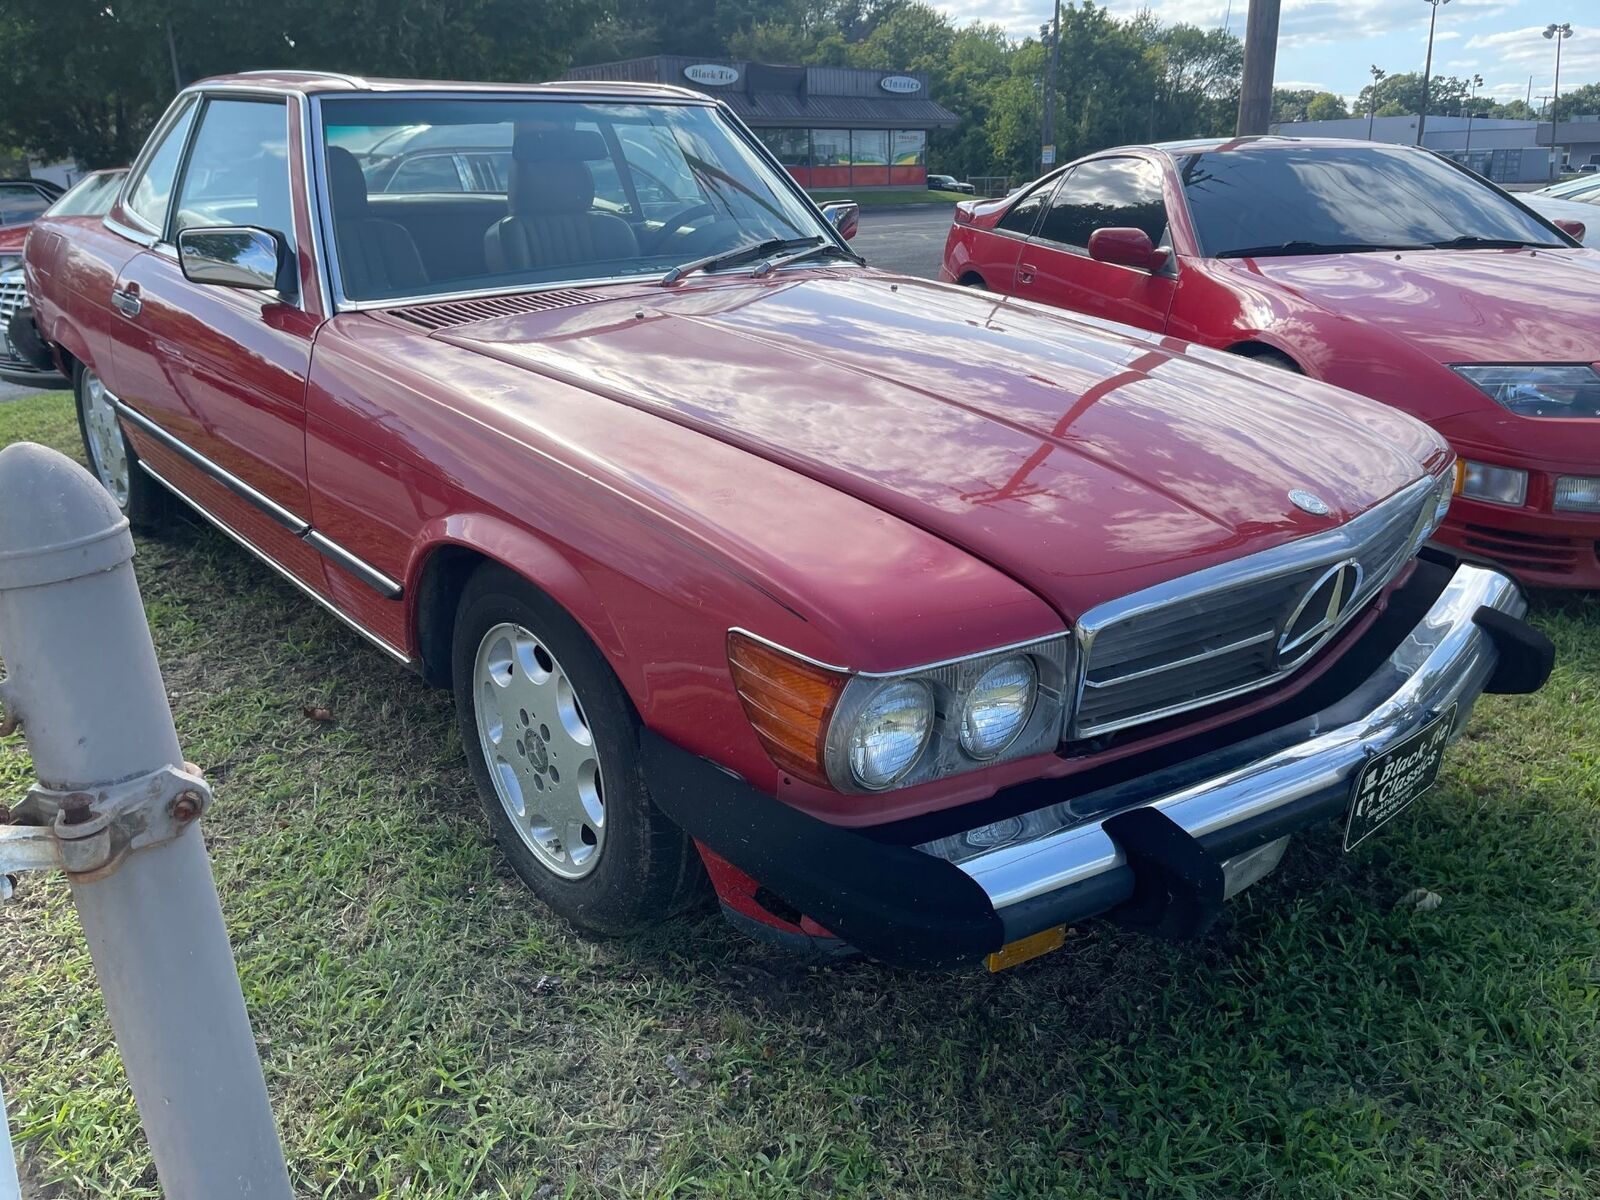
{"points": [[87, 78]]}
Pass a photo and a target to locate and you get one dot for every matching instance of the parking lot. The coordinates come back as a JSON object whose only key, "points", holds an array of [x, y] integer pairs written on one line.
{"points": [[909, 240]]}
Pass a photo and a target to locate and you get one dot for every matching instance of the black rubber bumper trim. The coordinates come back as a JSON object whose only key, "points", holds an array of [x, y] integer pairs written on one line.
{"points": [[1525, 656], [900, 906]]}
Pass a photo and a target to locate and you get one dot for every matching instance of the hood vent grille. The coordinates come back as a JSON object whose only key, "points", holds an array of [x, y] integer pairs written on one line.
{"points": [[485, 308]]}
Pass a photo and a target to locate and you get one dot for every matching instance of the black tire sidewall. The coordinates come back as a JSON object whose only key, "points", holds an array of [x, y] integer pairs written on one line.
{"points": [[638, 878]]}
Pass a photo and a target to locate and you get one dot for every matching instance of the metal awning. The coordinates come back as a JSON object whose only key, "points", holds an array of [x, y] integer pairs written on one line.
{"points": [[769, 110]]}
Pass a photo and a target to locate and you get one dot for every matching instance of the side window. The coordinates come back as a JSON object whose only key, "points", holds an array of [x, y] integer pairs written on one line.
{"points": [[238, 172], [1024, 214], [1106, 192], [148, 197], [426, 173]]}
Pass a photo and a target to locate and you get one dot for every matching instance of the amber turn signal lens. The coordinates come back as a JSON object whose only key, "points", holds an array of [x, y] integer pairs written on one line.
{"points": [[1461, 475], [788, 701]]}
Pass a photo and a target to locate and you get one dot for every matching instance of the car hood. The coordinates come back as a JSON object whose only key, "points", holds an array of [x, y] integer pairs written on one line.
{"points": [[1459, 306], [1083, 460]]}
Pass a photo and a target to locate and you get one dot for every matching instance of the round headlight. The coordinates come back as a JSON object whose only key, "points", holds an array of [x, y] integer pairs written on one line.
{"points": [[998, 707], [890, 732]]}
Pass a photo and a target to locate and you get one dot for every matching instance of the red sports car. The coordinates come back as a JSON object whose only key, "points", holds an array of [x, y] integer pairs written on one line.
{"points": [[1384, 269], [919, 624]]}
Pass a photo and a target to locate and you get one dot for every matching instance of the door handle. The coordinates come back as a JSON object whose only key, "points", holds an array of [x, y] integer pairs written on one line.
{"points": [[1025, 273], [126, 300]]}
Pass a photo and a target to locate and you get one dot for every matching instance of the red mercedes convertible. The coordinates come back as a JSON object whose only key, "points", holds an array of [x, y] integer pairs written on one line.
{"points": [[919, 624]]}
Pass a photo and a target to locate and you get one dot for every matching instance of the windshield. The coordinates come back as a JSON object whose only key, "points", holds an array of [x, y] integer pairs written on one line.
{"points": [[435, 196], [1320, 199]]}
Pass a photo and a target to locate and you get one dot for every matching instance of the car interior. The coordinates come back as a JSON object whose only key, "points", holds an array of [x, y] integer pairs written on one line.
{"points": [[590, 198]]}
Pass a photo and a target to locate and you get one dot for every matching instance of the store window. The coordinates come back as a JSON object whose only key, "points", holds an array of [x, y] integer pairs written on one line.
{"points": [[830, 147], [910, 148], [791, 146], [870, 147]]}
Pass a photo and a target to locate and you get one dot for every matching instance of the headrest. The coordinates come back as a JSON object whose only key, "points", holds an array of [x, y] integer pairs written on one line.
{"points": [[347, 186], [558, 145], [547, 188]]}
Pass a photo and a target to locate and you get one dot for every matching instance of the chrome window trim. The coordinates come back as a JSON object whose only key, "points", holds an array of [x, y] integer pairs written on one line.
{"points": [[322, 216], [143, 232], [392, 651], [364, 571], [1341, 541], [912, 670]]}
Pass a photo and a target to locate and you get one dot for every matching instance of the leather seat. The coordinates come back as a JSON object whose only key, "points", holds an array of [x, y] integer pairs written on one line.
{"points": [[376, 257], [551, 193]]}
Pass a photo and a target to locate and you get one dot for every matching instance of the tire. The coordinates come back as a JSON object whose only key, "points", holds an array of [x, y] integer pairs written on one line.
{"points": [[590, 843], [112, 460], [1269, 357]]}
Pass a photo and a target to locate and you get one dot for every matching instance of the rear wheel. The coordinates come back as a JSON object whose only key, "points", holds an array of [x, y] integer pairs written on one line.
{"points": [[553, 744], [142, 500]]}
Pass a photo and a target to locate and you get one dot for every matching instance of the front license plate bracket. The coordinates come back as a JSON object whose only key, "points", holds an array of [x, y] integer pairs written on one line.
{"points": [[1390, 782]]}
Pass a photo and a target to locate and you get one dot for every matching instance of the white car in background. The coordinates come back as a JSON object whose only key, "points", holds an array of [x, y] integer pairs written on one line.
{"points": [[1570, 200]]}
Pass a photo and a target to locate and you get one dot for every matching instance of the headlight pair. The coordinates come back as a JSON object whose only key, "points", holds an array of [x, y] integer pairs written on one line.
{"points": [[868, 733], [1534, 390]]}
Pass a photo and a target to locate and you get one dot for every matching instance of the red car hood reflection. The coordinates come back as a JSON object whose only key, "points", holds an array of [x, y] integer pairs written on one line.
{"points": [[1495, 306], [1075, 458]]}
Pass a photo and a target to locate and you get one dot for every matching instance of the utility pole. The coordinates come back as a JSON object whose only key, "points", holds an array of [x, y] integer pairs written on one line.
{"points": [[1260, 60], [1378, 76], [1427, 68], [172, 53], [1047, 154]]}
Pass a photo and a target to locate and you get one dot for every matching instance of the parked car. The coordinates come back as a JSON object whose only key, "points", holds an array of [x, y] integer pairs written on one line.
{"points": [[23, 357], [1568, 189], [1383, 269], [21, 200], [920, 625], [949, 183]]}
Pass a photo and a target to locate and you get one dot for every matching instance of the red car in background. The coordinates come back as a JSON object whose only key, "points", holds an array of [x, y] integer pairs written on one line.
{"points": [[1383, 269], [24, 359]]}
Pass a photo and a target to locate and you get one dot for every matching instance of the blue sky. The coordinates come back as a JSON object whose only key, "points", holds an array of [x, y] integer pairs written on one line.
{"points": [[1330, 44]]}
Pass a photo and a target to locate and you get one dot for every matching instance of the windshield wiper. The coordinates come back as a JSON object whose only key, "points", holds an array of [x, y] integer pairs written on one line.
{"points": [[1470, 241], [768, 265], [1289, 249], [727, 258]]}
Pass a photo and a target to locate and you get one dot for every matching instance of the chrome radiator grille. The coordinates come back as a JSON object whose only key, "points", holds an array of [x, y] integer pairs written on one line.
{"points": [[1240, 626], [12, 297]]}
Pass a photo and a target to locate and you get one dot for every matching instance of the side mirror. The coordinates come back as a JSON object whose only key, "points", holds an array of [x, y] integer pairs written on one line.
{"points": [[1573, 229], [238, 256], [845, 216], [1126, 248]]}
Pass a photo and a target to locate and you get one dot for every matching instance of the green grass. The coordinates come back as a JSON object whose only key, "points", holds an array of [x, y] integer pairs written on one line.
{"points": [[428, 1030], [888, 197]]}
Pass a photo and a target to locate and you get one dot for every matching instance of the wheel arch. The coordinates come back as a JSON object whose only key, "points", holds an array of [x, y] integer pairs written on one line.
{"points": [[456, 549], [1261, 348]]}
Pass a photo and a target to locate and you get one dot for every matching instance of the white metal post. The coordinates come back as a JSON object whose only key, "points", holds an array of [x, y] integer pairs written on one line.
{"points": [[83, 679]]}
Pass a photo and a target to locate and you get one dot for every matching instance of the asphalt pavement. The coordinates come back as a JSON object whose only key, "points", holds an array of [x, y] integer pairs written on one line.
{"points": [[907, 240]]}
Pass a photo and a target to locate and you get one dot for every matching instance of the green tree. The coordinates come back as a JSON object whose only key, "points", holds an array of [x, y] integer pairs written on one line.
{"points": [[1401, 95], [1325, 106]]}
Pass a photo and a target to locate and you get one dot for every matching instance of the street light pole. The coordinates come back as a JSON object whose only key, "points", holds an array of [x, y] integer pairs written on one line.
{"points": [[1558, 34], [1472, 103], [1378, 75], [1427, 69]]}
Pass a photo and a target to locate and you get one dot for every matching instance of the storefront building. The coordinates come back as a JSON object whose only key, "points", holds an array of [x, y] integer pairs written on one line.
{"points": [[832, 127]]}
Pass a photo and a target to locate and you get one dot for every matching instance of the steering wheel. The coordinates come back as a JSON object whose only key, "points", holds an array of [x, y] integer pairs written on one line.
{"points": [[681, 220]]}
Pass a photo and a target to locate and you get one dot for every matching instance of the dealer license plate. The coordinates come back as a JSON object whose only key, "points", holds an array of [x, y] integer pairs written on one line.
{"points": [[1392, 780]]}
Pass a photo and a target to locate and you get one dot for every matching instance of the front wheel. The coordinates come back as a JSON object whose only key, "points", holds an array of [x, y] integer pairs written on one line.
{"points": [[142, 500], [554, 749]]}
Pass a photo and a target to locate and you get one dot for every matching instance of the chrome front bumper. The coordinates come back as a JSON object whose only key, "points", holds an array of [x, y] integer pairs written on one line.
{"points": [[1055, 864]]}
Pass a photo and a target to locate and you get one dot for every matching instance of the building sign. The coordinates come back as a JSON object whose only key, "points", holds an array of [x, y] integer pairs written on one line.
{"points": [[712, 75], [901, 84]]}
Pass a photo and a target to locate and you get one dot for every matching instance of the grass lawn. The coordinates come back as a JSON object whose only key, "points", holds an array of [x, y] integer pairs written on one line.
{"points": [[429, 1031], [890, 197]]}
